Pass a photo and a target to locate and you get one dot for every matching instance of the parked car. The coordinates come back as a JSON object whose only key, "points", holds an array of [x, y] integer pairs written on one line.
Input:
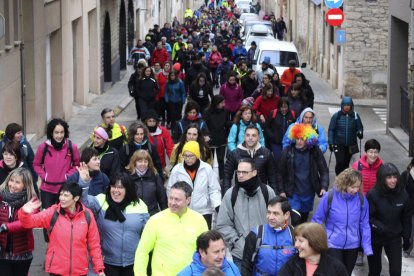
{"points": [[257, 34], [250, 22]]}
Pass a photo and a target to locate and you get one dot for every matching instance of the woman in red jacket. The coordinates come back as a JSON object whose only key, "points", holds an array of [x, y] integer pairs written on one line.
{"points": [[266, 102], [16, 242], [73, 233]]}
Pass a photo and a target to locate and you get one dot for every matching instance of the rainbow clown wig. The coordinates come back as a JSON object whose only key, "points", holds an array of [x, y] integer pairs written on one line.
{"points": [[305, 132]]}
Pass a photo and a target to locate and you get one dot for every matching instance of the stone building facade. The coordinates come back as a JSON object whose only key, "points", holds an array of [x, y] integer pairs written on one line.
{"points": [[359, 67], [73, 51]]}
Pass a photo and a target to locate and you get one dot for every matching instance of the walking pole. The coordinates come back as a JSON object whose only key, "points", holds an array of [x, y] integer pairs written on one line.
{"points": [[330, 158], [360, 148]]}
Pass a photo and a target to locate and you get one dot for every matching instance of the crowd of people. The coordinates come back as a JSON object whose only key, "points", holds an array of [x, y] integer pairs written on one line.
{"points": [[217, 176]]}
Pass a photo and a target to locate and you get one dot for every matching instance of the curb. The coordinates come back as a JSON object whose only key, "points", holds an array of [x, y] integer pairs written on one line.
{"points": [[355, 104]]}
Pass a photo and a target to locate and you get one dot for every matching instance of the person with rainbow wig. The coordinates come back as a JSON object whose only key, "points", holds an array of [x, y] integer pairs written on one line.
{"points": [[302, 171]]}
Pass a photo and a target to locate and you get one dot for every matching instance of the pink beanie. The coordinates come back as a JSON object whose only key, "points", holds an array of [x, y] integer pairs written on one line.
{"points": [[101, 133], [177, 66]]}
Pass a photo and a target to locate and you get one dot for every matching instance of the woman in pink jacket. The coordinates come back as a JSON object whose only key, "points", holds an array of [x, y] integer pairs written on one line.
{"points": [[369, 164], [55, 160], [73, 233], [233, 95]]}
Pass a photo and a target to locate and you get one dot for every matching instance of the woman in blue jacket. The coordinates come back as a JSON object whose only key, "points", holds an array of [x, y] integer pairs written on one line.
{"points": [[345, 213], [174, 96], [120, 216], [244, 117]]}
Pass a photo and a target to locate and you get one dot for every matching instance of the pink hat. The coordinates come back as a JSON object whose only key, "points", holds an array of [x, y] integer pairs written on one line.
{"points": [[101, 133], [177, 66]]}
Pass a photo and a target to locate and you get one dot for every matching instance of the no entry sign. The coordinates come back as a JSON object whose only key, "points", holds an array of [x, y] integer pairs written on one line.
{"points": [[334, 17]]}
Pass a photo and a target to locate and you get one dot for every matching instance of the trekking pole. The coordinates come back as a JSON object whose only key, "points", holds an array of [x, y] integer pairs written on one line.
{"points": [[360, 148], [330, 158]]}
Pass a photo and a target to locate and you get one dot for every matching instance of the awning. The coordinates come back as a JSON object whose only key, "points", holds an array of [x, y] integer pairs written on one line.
{"points": [[317, 2]]}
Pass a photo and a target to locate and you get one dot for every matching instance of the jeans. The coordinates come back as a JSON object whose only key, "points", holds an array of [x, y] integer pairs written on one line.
{"points": [[393, 249], [346, 256]]}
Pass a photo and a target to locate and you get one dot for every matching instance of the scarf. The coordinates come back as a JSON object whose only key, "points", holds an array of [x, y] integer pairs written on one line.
{"points": [[139, 173], [250, 186], [152, 129], [103, 149], [15, 200], [57, 145], [114, 211], [193, 167], [192, 118]]}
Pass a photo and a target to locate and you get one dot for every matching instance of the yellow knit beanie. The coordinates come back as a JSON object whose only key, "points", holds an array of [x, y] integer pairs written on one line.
{"points": [[193, 147]]}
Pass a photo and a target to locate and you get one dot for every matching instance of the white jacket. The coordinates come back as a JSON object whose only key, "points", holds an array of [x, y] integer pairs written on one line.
{"points": [[206, 187]]}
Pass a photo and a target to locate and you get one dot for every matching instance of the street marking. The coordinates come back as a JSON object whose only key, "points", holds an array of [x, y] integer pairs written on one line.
{"points": [[381, 113]]}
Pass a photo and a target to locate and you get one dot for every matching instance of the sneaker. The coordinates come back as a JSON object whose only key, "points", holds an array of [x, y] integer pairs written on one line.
{"points": [[360, 259]]}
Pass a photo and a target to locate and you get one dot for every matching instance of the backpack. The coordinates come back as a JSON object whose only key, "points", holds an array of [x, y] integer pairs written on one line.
{"points": [[275, 113], [56, 215], [235, 191], [260, 231], [330, 197], [46, 150], [182, 129]]}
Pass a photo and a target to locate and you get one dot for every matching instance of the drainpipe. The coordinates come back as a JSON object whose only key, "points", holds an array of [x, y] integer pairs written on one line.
{"points": [[411, 89], [22, 73]]}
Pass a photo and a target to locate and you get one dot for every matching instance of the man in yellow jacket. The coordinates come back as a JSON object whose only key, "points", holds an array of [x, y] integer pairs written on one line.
{"points": [[171, 235]]}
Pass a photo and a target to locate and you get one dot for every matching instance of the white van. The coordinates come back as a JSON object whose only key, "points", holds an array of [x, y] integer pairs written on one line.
{"points": [[279, 52]]}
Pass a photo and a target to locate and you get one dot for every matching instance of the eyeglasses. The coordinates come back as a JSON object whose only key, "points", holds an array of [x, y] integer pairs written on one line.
{"points": [[188, 156], [118, 187], [243, 172]]}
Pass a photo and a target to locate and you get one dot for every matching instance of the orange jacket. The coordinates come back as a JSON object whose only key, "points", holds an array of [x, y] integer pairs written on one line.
{"points": [[67, 253], [287, 78]]}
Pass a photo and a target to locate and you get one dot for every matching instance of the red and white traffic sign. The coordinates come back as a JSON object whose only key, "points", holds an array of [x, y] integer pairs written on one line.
{"points": [[334, 17]]}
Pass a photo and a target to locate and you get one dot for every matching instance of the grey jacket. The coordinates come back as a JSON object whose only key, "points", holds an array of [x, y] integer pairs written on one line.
{"points": [[236, 224]]}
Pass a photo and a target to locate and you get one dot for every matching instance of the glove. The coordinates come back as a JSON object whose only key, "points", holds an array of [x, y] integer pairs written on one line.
{"points": [[331, 147], [406, 245], [3, 228], [360, 135]]}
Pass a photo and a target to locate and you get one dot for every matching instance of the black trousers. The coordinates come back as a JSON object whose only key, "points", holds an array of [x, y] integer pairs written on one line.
{"points": [[15, 268], [113, 270], [48, 199], [209, 220], [137, 108], [393, 249], [174, 113], [343, 157], [160, 107], [346, 256]]}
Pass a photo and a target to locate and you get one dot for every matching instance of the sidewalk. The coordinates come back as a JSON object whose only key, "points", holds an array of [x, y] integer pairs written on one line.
{"points": [[324, 94], [87, 117]]}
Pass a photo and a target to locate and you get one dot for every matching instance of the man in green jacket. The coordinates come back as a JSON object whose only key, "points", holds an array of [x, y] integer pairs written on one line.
{"points": [[171, 235]]}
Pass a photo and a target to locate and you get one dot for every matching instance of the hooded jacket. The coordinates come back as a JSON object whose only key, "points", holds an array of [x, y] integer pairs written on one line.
{"points": [[57, 166], [322, 142], [346, 226], [263, 158], [72, 241], [196, 268], [218, 124], [160, 55], [235, 223], [319, 173], [276, 127], [206, 194], [148, 89], [236, 138], [369, 172], [233, 96], [344, 127]]}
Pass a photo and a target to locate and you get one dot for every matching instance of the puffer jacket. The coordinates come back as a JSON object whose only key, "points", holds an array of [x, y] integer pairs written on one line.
{"points": [[285, 176], [233, 96], [347, 225], [57, 167], [206, 187], [268, 260], [150, 188], [236, 139], [21, 239], [328, 266], [320, 130], [263, 158], [196, 268], [162, 141], [175, 92], [369, 172], [235, 223], [72, 241], [214, 59], [119, 240], [389, 214], [344, 127]]}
